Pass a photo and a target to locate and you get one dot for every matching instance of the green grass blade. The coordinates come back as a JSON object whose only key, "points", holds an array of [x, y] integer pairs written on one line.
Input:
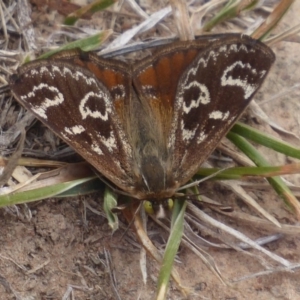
{"points": [[240, 172], [88, 187], [87, 44], [276, 182], [110, 202], [40, 193], [266, 140], [171, 248], [231, 10], [91, 8]]}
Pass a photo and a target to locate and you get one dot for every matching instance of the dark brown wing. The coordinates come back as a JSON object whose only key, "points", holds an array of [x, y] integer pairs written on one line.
{"points": [[155, 81], [196, 91], [212, 94], [81, 98], [156, 78]]}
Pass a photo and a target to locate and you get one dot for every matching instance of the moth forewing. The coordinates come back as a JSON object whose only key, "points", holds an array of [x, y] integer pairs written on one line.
{"points": [[72, 102], [206, 109]]}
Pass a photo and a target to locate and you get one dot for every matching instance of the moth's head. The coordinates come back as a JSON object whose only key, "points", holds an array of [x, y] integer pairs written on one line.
{"points": [[159, 208]]}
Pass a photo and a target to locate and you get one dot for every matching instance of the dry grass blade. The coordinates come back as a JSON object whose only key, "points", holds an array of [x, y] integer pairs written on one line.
{"points": [[3, 22], [290, 33], [13, 160], [25, 22], [260, 224], [180, 11], [7, 286], [273, 19], [150, 248], [206, 258], [125, 37], [291, 269], [257, 111], [236, 188], [112, 275], [205, 218]]}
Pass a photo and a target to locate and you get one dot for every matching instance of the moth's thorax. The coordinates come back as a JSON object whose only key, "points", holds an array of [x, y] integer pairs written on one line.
{"points": [[154, 181], [153, 174]]}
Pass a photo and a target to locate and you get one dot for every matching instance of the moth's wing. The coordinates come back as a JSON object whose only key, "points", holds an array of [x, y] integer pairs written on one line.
{"points": [[195, 91], [81, 98], [156, 78], [115, 75], [211, 95]]}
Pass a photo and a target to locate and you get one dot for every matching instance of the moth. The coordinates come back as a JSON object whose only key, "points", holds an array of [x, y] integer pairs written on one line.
{"points": [[146, 127]]}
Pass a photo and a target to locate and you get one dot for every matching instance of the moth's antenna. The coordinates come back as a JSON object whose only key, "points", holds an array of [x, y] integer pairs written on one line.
{"points": [[112, 187], [200, 180], [132, 220]]}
